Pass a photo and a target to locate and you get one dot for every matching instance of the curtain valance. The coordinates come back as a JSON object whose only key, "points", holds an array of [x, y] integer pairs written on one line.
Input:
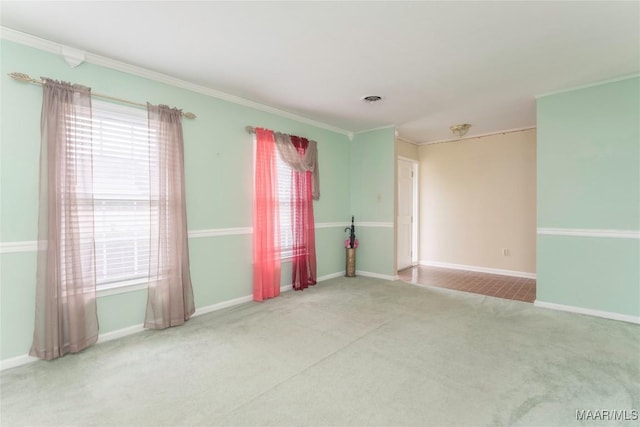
{"points": [[300, 163]]}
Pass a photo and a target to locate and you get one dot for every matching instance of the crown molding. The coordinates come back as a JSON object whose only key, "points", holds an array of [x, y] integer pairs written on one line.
{"points": [[374, 129], [57, 48], [588, 85], [440, 141], [408, 141], [31, 41]]}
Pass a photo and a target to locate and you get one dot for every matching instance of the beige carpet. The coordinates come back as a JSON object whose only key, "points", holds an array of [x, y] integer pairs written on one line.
{"points": [[347, 352]]}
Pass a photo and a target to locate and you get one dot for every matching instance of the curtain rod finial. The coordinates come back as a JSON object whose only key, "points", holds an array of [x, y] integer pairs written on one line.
{"points": [[189, 115], [21, 77], [250, 129]]}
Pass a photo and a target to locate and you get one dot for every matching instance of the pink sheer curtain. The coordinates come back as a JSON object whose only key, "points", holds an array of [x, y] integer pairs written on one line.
{"points": [[170, 295], [266, 221], [304, 240], [66, 318]]}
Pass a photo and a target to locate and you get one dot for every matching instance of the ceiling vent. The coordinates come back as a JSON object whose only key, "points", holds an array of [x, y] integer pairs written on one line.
{"points": [[371, 99]]}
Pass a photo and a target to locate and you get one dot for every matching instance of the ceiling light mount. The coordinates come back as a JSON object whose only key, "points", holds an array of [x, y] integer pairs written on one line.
{"points": [[460, 130], [371, 99]]}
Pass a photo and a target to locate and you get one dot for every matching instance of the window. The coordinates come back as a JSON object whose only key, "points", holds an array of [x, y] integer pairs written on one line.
{"points": [[285, 176], [122, 203]]}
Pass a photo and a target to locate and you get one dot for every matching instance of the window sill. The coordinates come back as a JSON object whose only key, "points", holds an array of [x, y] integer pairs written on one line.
{"points": [[121, 287], [288, 257]]}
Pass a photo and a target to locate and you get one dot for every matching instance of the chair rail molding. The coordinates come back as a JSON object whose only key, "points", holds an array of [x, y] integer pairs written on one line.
{"points": [[374, 224], [590, 232], [32, 245]]}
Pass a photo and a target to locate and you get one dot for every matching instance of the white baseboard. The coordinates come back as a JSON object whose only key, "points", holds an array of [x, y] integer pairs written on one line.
{"points": [[224, 304], [478, 269], [375, 275], [119, 333], [330, 276], [14, 362], [109, 336], [588, 311], [249, 298], [130, 330]]}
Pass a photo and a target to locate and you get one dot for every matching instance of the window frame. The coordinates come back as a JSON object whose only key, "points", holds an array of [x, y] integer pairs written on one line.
{"points": [[133, 282]]}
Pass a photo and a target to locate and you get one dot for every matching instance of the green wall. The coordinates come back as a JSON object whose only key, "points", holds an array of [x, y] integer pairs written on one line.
{"points": [[589, 179], [373, 199], [218, 165]]}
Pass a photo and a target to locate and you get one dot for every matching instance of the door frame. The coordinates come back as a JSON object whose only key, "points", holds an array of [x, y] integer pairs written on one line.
{"points": [[415, 211]]}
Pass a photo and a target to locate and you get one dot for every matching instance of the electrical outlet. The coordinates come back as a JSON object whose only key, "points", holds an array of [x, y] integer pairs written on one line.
{"points": [[505, 252]]}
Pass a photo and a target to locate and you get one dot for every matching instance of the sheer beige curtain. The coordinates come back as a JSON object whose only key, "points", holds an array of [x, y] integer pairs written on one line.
{"points": [[300, 163], [66, 317], [170, 296]]}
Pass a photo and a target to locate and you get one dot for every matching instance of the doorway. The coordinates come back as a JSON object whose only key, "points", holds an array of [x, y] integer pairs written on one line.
{"points": [[407, 214]]}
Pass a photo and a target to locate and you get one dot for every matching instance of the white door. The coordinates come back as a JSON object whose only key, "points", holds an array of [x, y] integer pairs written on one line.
{"points": [[405, 214]]}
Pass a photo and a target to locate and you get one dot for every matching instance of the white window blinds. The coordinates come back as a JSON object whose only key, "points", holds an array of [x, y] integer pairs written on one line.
{"points": [[121, 144], [285, 177]]}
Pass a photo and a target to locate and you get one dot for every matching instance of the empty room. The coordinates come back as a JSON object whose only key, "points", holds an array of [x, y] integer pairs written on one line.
{"points": [[319, 213]]}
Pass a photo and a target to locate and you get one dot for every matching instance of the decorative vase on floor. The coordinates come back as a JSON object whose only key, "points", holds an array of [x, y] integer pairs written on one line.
{"points": [[351, 262], [351, 244]]}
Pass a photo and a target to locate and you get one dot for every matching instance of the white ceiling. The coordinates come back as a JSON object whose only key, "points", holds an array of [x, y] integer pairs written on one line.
{"points": [[434, 63]]}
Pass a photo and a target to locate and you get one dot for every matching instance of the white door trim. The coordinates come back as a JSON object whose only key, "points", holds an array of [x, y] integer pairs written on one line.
{"points": [[414, 214]]}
